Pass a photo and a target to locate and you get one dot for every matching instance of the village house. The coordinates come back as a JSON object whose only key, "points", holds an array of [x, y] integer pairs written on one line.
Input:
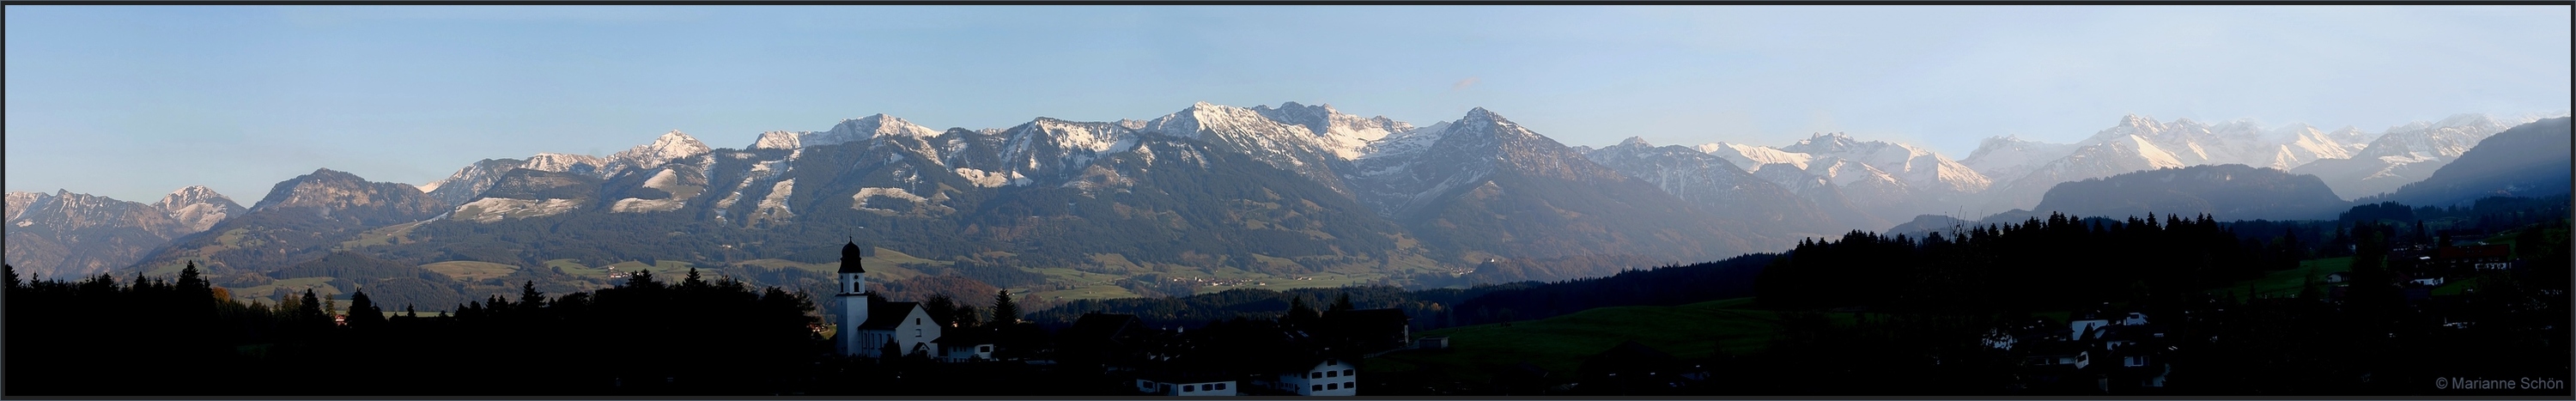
{"points": [[966, 345], [1174, 385], [2097, 352], [1327, 377], [2477, 257]]}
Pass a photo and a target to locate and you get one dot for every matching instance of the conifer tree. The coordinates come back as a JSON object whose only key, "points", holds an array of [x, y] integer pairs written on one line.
{"points": [[190, 281], [641, 279], [529, 298], [1298, 312], [1005, 311], [363, 313]]}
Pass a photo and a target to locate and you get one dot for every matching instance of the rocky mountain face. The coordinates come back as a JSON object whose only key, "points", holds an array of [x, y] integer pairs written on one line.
{"points": [[2529, 160], [198, 208], [301, 218], [2406, 154], [2006, 158], [473, 179], [1491, 186], [1886, 181], [73, 234], [2353, 162], [1296, 147], [1721, 188], [18, 201]]}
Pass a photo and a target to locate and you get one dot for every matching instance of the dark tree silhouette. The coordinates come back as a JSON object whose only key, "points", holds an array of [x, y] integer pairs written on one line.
{"points": [[1005, 311]]}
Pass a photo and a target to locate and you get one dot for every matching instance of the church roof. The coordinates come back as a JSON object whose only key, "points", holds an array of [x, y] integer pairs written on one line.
{"points": [[850, 258], [887, 315]]}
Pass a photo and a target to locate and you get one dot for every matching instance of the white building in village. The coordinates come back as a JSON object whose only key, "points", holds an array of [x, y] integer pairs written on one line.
{"points": [[1327, 378], [867, 325]]}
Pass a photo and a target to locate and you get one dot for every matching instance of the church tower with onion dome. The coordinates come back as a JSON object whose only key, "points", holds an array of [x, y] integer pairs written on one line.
{"points": [[854, 302]]}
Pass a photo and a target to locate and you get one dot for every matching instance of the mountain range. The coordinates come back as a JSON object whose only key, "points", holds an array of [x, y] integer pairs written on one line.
{"points": [[74, 234], [1210, 192], [2530, 160]]}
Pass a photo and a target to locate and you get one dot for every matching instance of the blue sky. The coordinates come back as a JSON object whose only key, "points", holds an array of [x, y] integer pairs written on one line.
{"points": [[135, 101]]}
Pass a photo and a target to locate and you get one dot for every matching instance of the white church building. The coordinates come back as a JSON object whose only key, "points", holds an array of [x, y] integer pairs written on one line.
{"points": [[866, 325]]}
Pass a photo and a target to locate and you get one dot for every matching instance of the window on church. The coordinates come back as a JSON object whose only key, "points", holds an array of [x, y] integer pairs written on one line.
{"points": [[1319, 387], [1350, 385], [1347, 372], [1332, 374], [1332, 386], [1314, 375], [1189, 388]]}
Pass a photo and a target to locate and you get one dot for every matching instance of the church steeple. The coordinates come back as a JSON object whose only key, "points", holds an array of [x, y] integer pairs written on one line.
{"points": [[854, 302], [850, 258]]}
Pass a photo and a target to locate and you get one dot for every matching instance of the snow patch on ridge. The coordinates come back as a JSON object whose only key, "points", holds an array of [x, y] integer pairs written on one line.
{"points": [[859, 201], [992, 179], [774, 206], [489, 210]]}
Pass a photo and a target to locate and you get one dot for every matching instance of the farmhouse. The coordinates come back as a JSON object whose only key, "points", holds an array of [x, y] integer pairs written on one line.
{"points": [[1328, 376]]}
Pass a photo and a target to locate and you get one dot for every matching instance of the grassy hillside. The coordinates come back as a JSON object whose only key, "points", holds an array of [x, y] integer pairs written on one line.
{"points": [[469, 270], [2286, 283], [1560, 343]]}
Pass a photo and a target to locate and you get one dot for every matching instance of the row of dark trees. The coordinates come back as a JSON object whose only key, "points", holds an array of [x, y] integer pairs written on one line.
{"points": [[2039, 265], [99, 336]]}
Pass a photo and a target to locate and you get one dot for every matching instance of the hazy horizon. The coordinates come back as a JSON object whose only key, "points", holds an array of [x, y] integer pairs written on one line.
{"points": [[133, 102]]}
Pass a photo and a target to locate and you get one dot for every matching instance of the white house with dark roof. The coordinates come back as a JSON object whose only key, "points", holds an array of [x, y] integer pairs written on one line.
{"points": [[867, 323], [1327, 378]]}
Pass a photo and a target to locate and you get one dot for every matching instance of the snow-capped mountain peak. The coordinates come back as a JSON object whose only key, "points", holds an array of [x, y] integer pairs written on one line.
{"points": [[1406, 142], [670, 146], [2008, 157], [1343, 134], [1819, 143], [1203, 118], [18, 201], [776, 140], [566, 163], [1752, 157], [865, 128], [197, 207], [1634, 141]]}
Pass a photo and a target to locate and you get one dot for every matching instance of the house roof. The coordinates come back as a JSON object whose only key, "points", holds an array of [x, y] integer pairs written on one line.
{"points": [[887, 315]]}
